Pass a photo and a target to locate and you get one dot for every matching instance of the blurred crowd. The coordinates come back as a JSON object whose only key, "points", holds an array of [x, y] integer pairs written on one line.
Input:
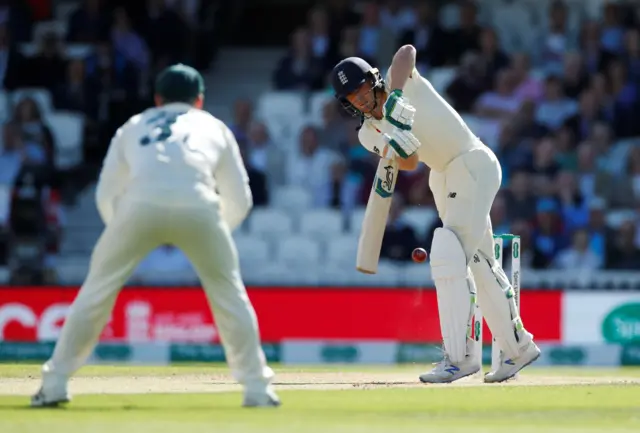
{"points": [[99, 66], [562, 115]]}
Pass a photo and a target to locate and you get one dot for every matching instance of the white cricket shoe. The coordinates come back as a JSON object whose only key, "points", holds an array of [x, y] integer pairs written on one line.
{"points": [[446, 372], [268, 398], [53, 390], [510, 367]]}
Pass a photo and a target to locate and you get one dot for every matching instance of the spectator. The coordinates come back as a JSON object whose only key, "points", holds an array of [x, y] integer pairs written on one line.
{"points": [[491, 54], [558, 39], [265, 156], [626, 98], [166, 47], [349, 46], [299, 69], [467, 36], [36, 137], [500, 103], [257, 179], [596, 58], [429, 38], [399, 237], [593, 182], [527, 86], [579, 256], [623, 253], [11, 154], [609, 159], [76, 92], [48, 65], [626, 188], [520, 202], [398, 18], [574, 77], [632, 54], [547, 237], [311, 168], [612, 37], [88, 24], [376, 42], [127, 42], [332, 132], [544, 158], [573, 205], [242, 120], [527, 125], [566, 148], [555, 108], [323, 47], [599, 233], [589, 112], [465, 89], [342, 16], [13, 67]]}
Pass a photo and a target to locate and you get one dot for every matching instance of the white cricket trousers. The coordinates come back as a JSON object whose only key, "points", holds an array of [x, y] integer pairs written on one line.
{"points": [[137, 228], [464, 194]]}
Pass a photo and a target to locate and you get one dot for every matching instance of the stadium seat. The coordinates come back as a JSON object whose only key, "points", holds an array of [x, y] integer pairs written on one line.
{"points": [[5, 275], [43, 28], [5, 204], [283, 114], [270, 222], [41, 96], [322, 224], [67, 128], [71, 273], [355, 220], [616, 218], [291, 198], [420, 218], [341, 252], [441, 77], [78, 51], [281, 274], [317, 103], [252, 250], [296, 251]]}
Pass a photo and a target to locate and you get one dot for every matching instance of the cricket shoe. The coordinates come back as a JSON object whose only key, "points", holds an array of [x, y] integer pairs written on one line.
{"points": [[446, 372], [262, 399], [510, 367], [53, 391]]}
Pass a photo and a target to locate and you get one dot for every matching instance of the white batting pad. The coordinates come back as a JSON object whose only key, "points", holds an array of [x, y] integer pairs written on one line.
{"points": [[455, 291], [497, 301]]}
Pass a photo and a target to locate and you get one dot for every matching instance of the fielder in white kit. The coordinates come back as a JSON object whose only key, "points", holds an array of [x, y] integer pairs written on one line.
{"points": [[403, 117], [172, 175]]}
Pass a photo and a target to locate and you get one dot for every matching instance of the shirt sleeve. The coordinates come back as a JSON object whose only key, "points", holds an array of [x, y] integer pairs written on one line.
{"points": [[371, 139], [232, 181], [113, 178]]}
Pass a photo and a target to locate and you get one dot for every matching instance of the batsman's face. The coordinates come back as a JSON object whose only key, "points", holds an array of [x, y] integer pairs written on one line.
{"points": [[364, 99]]}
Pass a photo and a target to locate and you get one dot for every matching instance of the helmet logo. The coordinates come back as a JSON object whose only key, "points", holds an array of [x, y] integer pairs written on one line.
{"points": [[343, 78]]}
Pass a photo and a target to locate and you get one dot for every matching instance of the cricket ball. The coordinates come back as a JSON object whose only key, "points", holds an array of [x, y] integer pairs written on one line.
{"points": [[419, 255]]}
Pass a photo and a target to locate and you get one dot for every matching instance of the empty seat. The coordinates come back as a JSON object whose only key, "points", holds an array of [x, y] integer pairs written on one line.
{"points": [[42, 97], [270, 222], [298, 251], [341, 252], [318, 102], [291, 198], [322, 223], [355, 220], [252, 250], [281, 274], [283, 114], [441, 77], [67, 128]]}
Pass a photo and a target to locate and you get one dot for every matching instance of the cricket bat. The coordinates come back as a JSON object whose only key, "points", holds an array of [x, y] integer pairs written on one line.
{"points": [[375, 216]]}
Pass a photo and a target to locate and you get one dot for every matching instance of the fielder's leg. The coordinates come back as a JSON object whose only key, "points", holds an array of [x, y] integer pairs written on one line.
{"points": [[209, 245], [127, 239], [497, 301]]}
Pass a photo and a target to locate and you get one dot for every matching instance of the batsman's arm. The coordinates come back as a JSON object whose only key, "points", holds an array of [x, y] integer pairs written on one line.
{"points": [[113, 177], [402, 65], [233, 183]]}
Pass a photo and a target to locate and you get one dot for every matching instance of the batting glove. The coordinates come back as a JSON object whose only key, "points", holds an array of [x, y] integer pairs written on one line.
{"points": [[398, 112], [402, 143]]}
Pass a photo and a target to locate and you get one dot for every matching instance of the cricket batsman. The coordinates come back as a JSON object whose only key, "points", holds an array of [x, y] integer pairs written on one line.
{"points": [[172, 175], [404, 118]]}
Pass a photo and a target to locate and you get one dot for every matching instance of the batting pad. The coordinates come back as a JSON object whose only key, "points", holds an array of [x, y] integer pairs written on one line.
{"points": [[455, 291], [497, 301]]}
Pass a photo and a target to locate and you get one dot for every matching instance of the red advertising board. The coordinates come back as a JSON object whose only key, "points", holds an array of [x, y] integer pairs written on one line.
{"points": [[182, 314]]}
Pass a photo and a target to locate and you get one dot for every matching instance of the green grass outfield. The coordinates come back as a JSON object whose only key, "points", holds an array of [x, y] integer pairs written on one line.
{"points": [[369, 399]]}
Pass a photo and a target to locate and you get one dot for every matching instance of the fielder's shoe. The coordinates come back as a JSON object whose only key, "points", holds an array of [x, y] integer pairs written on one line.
{"points": [[510, 367], [263, 399], [446, 372], [53, 391]]}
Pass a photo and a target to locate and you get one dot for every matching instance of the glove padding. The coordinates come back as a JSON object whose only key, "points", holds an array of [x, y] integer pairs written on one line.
{"points": [[398, 112], [401, 142]]}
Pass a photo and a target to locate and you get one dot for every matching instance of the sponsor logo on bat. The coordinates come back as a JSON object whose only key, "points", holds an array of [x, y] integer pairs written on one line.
{"points": [[384, 188]]}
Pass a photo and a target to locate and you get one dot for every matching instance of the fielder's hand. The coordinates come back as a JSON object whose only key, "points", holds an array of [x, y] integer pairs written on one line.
{"points": [[401, 143], [398, 112]]}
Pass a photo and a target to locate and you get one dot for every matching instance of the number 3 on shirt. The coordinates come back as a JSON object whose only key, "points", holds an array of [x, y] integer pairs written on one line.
{"points": [[161, 128]]}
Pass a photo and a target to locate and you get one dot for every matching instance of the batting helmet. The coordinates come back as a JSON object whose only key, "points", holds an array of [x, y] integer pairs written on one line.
{"points": [[349, 75]]}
